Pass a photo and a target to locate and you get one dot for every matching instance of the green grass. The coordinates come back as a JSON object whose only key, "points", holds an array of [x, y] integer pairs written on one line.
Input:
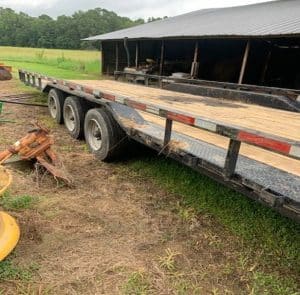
{"points": [[9, 271], [265, 284], [260, 229], [17, 202], [67, 64], [136, 284]]}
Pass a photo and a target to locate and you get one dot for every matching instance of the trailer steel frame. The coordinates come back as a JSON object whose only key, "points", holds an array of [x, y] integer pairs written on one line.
{"points": [[118, 105]]}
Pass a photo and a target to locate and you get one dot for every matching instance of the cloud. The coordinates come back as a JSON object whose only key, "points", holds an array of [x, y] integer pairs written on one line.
{"points": [[131, 8], [22, 5]]}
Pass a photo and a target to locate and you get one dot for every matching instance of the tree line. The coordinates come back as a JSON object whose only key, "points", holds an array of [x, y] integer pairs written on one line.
{"points": [[65, 32]]}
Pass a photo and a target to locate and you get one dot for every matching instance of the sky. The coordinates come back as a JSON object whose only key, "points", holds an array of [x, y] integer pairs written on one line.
{"points": [[130, 8]]}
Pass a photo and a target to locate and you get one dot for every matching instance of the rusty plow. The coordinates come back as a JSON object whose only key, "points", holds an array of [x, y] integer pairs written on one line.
{"points": [[36, 146]]}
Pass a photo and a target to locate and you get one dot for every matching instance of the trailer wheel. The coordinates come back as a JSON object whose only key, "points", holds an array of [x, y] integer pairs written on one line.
{"points": [[55, 105], [73, 114], [103, 135]]}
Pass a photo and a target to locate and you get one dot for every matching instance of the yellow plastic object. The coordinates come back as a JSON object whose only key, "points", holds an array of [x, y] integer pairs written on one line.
{"points": [[9, 229], [5, 180], [9, 234]]}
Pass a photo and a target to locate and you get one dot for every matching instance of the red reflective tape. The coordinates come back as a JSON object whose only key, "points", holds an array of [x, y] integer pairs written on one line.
{"points": [[137, 105], [181, 118], [261, 141], [88, 90], [108, 96]]}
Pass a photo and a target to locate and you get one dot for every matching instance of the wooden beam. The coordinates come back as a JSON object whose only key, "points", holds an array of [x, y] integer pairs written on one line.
{"points": [[127, 52], [195, 64], [244, 64], [117, 56], [162, 58], [137, 53], [101, 59]]}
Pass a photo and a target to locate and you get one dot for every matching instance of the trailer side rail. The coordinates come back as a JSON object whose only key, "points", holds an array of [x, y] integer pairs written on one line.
{"points": [[293, 94]]}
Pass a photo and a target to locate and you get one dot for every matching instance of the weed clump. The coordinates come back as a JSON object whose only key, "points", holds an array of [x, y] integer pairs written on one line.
{"points": [[18, 202]]}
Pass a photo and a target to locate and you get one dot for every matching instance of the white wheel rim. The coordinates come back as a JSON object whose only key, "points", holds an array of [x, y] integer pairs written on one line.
{"points": [[69, 117], [52, 106], [94, 135]]}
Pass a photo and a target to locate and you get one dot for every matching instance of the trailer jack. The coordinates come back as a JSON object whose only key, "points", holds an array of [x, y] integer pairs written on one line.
{"points": [[36, 145]]}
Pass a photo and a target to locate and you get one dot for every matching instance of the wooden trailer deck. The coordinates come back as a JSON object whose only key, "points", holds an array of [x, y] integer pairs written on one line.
{"points": [[273, 121]]}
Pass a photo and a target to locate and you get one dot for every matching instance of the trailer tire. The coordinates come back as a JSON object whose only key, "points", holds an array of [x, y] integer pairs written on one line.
{"points": [[73, 114], [56, 100], [104, 136]]}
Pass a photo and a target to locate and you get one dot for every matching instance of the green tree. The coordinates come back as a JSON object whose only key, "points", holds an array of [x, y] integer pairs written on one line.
{"points": [[66, 32]]}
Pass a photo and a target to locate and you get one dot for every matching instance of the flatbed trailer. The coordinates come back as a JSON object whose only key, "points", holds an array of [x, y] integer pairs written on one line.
{"points": [[252, 149]]}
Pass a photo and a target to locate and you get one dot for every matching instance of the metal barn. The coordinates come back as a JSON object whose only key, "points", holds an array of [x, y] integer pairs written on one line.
{"points": [[254, 44]]}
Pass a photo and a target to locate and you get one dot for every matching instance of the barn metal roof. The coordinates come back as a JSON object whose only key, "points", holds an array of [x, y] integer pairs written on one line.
{"points": [[274, 19]]}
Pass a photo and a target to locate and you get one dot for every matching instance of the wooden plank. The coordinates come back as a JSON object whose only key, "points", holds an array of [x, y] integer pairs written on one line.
{"points": [[273, 121], [285, 124]]}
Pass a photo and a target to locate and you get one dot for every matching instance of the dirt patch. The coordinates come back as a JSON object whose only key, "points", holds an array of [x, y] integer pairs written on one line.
{"points": [[114, 232]]}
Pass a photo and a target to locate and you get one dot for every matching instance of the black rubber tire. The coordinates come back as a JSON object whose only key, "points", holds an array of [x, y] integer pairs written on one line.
{"points": [[114, 139], [73, 104], [56, 100]]}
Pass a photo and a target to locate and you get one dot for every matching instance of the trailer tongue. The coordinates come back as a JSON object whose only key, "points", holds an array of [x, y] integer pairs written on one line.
{"points": [[252, 149]]}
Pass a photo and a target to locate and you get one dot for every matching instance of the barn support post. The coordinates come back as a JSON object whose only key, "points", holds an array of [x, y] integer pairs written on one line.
{"points": [[244, 63], [117, 56], [101, 59], [265, 69], [195, 64], [127, 51], [162, 58], [137, 53]]}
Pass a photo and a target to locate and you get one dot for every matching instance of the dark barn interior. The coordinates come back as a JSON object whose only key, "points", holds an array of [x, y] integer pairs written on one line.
{"points": [[268, 62]]}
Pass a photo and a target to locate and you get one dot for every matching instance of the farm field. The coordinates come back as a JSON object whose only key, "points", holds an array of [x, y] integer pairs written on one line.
{"points": [[145, 225], [61, 63]]}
